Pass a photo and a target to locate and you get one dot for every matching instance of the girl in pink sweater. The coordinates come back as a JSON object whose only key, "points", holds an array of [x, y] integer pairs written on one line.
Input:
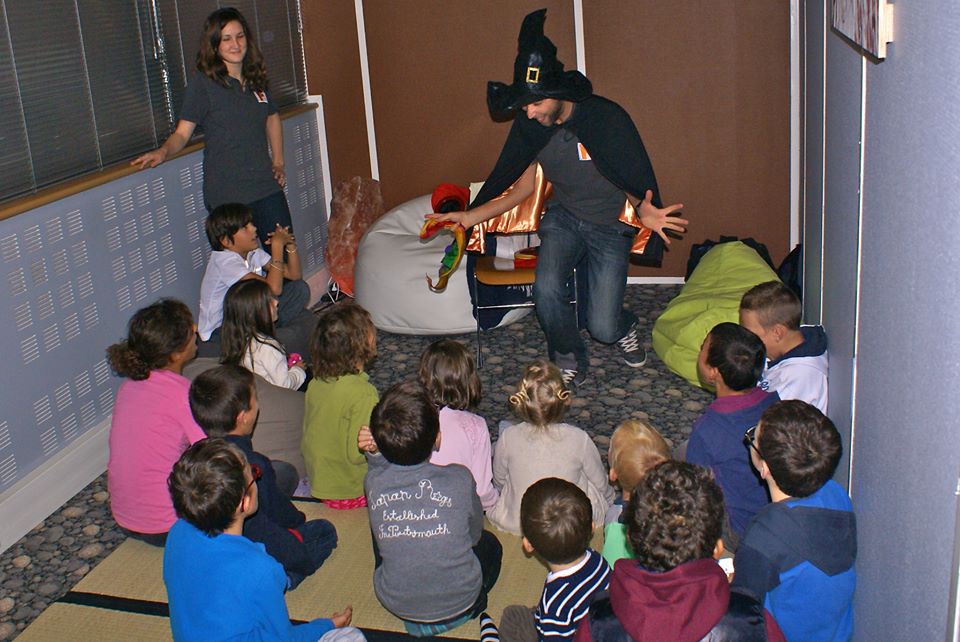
{"points": [[152, 424], [448, 373]]}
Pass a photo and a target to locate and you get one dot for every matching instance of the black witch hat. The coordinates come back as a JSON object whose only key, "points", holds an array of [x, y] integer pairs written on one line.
{"points": [[536, 73]]}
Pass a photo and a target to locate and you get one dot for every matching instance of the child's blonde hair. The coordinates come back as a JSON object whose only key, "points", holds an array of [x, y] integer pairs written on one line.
{"points": [[635, 448], [541, 397]]}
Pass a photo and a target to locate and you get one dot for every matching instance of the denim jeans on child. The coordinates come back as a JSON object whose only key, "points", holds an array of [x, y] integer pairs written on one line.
{"points": [[319, 538], [602, 255]]}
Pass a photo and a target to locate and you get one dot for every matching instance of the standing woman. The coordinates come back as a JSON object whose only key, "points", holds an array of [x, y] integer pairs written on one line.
{"points": [[228, 100]]}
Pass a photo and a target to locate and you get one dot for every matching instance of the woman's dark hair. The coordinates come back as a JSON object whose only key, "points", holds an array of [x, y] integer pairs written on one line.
{"points": [[210, 64], [405, 424], [207, 484], [448, 373], [246, 318], [737, 353], [153, 335], [675, 515], [340, 344]]}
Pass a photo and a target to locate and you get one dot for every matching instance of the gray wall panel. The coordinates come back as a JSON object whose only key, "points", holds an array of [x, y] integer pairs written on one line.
{"points": [[841, 227], [907, 451], [74, 271], [812, 158]]}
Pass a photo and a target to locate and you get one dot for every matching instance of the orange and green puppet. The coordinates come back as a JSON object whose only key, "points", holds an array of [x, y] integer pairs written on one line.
{"points": [[447, 198]]}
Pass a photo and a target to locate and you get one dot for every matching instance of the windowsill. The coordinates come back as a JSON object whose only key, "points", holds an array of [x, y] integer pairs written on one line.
{"points": [[94, 179]]}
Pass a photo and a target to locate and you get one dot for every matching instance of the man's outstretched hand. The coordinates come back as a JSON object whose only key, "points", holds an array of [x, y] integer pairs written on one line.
{"points": [[661, 219]]}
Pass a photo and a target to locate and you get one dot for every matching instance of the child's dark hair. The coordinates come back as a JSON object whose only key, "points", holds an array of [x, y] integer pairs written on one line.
{"points": [[448, 373], [557, 520], [737, 353], [218, 395], [154, 333], [405, 424], [800, 445], [773, 302], [340, 344], [541, 397], [225, 221], [207, 484], [674, 516], [246, 318]]}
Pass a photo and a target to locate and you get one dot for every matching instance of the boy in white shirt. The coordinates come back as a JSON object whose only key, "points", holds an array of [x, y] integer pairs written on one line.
{"points": [[237, 255], [796, 366]]}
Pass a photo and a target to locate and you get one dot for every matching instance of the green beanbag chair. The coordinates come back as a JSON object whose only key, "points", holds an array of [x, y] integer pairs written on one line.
{"points": [[710, 296]]}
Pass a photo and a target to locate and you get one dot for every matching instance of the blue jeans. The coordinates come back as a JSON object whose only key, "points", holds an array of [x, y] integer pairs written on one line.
{"points": [[601, 254]]}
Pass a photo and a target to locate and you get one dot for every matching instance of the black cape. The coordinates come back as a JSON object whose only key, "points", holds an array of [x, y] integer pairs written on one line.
{"points": [[608, 133]]}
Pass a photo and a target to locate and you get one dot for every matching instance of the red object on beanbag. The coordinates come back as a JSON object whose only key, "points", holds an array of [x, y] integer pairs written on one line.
{"points": [[447, 194]]}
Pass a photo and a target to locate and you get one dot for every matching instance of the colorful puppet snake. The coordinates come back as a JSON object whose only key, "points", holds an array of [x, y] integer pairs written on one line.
{"points": [[453, 253]]}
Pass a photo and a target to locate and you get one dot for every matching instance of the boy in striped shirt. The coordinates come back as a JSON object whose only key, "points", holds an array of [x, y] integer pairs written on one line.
{"points": [[557, 525]]}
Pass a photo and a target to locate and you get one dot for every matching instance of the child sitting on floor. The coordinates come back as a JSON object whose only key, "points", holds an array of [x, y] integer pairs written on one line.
{"points": [[448, 374], [248, 337], [237, 255], [542, 447], [151, 424], [797, 362], [338, 403], [675, 590], [797, 555], [224, 403], [557, 523], [731, 359], [220, 585], [434, 563], [635, 448]]}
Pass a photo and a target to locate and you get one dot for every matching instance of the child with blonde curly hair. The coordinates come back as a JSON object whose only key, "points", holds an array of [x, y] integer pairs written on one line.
{"points": [[339, 401], [543, 446]]}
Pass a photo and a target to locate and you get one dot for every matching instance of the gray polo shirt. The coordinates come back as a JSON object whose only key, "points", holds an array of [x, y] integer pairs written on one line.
{"points": [[236, 159]]}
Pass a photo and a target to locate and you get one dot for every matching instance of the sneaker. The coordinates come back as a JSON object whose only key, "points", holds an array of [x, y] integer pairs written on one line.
{"points": [[573, 377], [572, 373], [631, 351]]}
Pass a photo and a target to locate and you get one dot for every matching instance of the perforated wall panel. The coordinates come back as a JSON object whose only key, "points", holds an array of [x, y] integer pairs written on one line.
{"points": [[73, 272]]}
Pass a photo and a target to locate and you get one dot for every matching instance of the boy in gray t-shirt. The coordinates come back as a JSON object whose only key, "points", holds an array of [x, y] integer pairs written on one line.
{"points": [[434, 562]]}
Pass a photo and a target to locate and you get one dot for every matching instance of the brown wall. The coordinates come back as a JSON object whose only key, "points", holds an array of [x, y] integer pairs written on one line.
{"points": [[707, 82], [333, 71]]}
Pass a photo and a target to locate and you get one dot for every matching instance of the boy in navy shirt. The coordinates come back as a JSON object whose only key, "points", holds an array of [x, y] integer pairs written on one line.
{"points": [[731, 359], [798, 553]]}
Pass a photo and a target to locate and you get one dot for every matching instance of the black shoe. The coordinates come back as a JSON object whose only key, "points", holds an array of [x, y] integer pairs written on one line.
{"points": [[631, 351], [573, 373]]}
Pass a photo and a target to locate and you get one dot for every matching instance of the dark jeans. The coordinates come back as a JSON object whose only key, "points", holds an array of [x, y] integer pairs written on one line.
{"points": [[287, 476], [269, 212], [602, 255], [154, 539], [319, 538], [489, 553]]}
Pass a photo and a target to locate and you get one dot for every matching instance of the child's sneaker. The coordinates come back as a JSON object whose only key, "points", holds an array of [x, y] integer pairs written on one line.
{"points": [[633, 354]]}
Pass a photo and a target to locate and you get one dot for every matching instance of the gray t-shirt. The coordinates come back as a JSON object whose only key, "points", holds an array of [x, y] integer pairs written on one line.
{"points": [[577, 184], [236, 159], [426, 519]]}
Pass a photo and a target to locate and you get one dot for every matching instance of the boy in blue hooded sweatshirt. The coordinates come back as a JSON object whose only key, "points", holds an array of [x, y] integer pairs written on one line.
{"points": [[798, 553]]}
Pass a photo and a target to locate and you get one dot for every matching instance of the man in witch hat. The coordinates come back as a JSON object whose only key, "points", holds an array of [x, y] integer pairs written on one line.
{"points": [[604, 203]]}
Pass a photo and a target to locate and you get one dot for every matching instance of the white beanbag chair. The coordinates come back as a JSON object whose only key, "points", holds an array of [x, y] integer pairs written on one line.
{"points": [[390, 277]]}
